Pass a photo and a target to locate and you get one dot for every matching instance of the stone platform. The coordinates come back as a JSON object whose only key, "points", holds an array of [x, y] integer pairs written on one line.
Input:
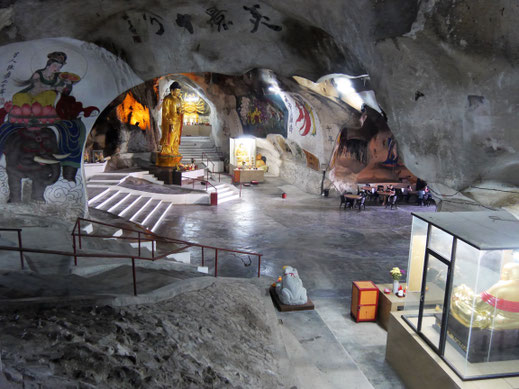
{"points": [[308, 306]]}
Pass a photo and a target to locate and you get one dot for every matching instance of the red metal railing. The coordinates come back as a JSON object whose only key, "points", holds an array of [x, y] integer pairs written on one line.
{"points": [[143, 236], [204, 181], [140, 236], [20, 247], [212, 163]]}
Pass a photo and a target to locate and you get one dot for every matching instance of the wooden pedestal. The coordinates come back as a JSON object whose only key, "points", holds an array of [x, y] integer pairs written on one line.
{"points": [[388, 303]]}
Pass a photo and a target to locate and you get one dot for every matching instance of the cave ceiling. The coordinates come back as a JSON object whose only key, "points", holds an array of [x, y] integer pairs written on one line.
{"points": [[445, 72]]}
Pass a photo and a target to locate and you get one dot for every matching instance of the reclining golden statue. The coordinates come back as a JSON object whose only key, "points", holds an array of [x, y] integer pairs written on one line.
{"points": [[496, 308]]}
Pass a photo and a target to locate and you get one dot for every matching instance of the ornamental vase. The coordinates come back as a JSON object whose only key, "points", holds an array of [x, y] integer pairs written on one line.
{"points": [[396, 285]]}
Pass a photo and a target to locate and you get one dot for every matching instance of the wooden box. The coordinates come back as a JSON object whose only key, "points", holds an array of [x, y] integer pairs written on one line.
{"points": [[364, 301], [248, 175]]}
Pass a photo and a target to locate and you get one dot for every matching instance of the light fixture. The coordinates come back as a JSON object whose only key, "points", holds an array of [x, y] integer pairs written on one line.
{"points": [[345, 88]]}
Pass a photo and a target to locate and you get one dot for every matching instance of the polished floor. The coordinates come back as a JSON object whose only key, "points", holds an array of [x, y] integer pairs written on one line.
{"points": [[329, 246]]}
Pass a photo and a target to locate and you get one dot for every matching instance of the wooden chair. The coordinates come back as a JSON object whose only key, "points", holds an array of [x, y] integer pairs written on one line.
{"points": [[361, 203], [391, 201], [345, 201]]}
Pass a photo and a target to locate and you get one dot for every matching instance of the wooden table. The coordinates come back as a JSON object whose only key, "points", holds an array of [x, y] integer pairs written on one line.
{"points": [[248, 175], [385, 195], [387, 303], [353, 197]]}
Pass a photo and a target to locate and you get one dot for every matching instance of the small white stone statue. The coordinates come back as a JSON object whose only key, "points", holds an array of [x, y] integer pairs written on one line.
{"points": [[290, 289]]}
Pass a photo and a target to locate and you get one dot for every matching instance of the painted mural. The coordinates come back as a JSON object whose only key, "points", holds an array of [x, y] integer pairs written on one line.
{"points": [[367, 154], [311, 160], [260, 117], [301, 117], [42, 135], [43, 122]]}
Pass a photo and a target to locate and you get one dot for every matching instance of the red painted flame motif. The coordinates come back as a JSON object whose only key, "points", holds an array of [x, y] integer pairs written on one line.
{"points": [[304, 117]]}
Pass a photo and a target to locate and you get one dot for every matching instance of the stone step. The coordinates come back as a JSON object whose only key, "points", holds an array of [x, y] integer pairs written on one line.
{"points": [[146, 175], [134, 207], [161, 218], [113, 200], [153, 217], [102, 197], [228, 198], [123, 204], [225, 192], [143, 213]]}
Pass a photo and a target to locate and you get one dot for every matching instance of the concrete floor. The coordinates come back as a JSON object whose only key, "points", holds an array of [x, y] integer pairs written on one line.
{"points": [[330, 247]]}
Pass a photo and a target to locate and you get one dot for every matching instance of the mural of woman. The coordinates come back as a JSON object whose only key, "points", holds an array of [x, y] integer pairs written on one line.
{"points": [[37, 106], [45, 84]]}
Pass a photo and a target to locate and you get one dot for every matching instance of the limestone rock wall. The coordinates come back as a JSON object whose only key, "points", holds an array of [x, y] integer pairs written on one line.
{"points": [[444, 72]]}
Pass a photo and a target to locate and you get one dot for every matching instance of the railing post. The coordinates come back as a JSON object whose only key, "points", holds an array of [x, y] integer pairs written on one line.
{"points": [[259, 266], [153, 248], [203, 256], [79, 231], [20, 246], [240, 189], [139, 238], [216, 262], [134, 278], [74, 246]]}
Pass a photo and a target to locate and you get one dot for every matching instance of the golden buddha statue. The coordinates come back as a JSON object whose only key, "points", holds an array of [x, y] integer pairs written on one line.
{"points": [[260, 163], [193, 106], [172, 115], [242, 155], [496, 308]]}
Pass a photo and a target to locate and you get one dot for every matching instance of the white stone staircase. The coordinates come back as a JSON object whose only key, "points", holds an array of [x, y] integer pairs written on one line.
{"points": [[225, 192], [142, 209], [147, 209], [200, 148]]}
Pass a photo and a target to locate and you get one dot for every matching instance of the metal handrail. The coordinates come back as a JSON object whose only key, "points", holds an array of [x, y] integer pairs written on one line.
{"points": [[157, 238], [206, 182], [212, 163], [148, 236], [19, 233]]}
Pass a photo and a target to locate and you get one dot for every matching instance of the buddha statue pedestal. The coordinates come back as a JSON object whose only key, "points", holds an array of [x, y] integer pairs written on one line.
{"points": [[483, 345], [166, 160], [169, 175]]}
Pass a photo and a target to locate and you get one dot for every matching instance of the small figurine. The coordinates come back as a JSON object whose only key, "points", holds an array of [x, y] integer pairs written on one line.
{"points": [[400, 292]]}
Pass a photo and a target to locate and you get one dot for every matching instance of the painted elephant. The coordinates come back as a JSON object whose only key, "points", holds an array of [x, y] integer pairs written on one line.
{"points": [[31, 153]]}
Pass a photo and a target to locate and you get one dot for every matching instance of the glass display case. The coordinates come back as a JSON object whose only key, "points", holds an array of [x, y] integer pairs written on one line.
{"points": [[463, 290], [242, 152]]}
